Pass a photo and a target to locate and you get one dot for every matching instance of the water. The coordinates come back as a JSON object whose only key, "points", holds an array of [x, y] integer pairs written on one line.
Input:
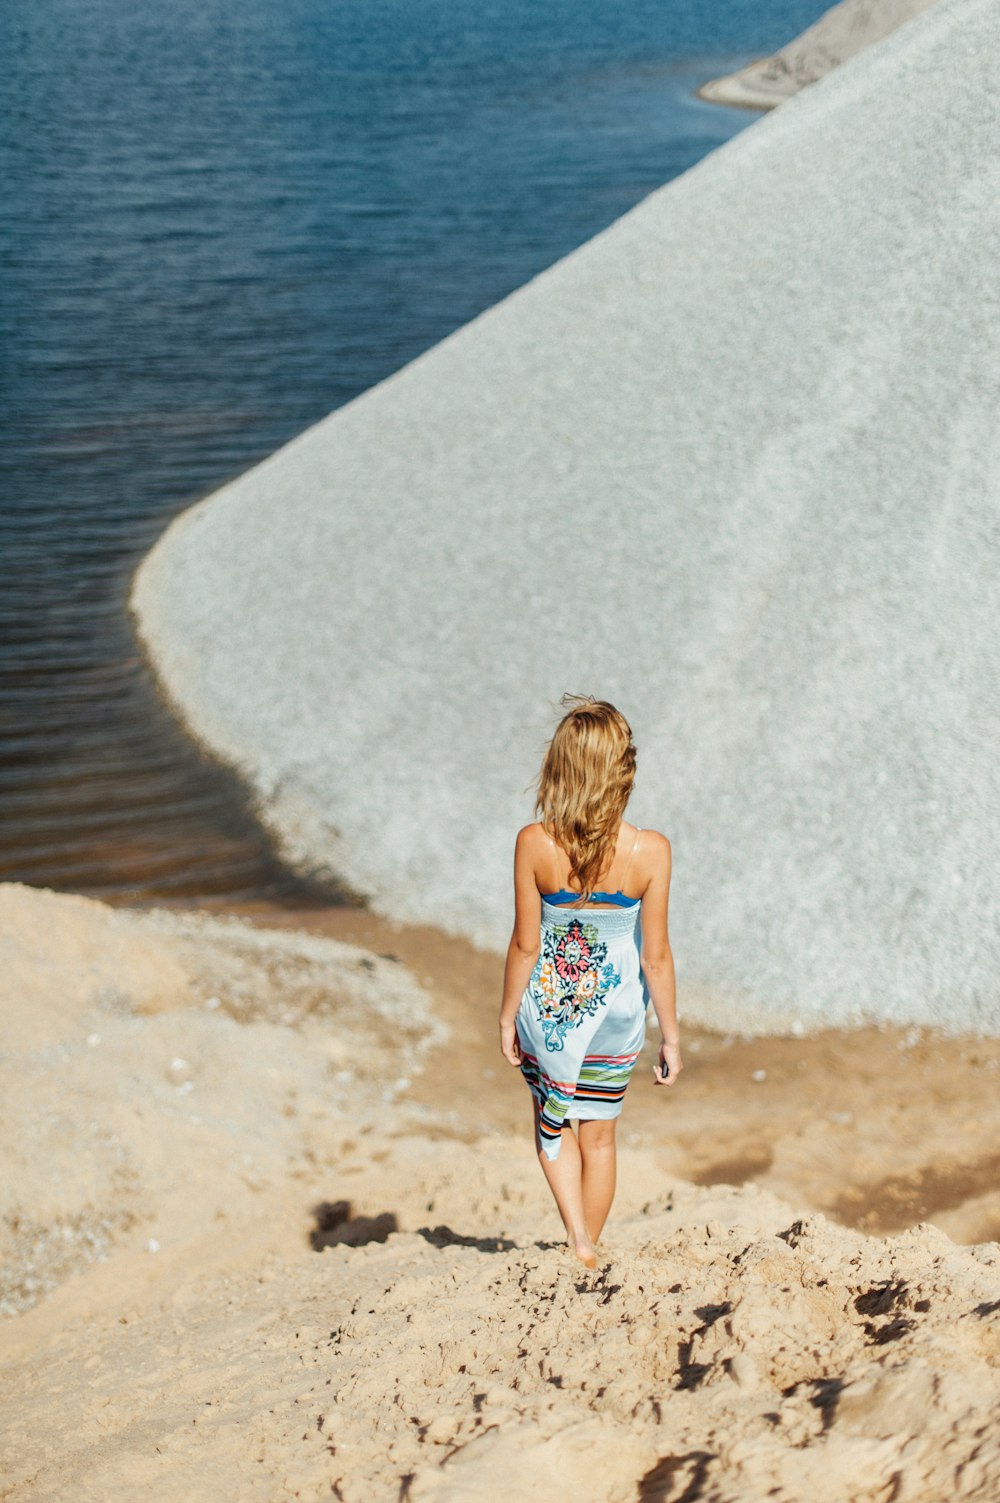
{"points": [[222, 221]]}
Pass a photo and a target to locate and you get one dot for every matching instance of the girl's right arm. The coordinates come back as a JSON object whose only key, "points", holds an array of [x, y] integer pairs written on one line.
{"points": [[525, 942], [658, 962]]}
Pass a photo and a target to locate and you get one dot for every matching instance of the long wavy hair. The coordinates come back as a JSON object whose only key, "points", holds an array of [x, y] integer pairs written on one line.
{"points": [[584, 786]]}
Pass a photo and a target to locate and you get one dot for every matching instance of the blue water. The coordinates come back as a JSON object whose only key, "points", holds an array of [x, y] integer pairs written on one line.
{"points": [[220, 221]]}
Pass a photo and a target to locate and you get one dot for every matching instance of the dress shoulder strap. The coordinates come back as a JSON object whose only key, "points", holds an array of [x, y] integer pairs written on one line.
{"points": [[628, 864], [551, 842]]}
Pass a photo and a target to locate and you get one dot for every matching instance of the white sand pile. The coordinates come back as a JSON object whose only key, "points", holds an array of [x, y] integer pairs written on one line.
{"points": [[734, 465], [159, 1072], [841, 32]]}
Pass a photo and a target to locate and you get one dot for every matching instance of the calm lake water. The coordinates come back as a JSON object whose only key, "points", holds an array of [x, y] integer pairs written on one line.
{"points": [[222, 221]]}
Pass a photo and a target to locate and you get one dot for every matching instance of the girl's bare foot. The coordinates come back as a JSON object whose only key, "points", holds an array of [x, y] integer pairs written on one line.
{"points": [[585, 1250]]}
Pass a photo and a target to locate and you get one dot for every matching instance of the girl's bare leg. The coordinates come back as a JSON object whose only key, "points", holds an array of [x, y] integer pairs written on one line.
{"points": [[598, 1173], [565, 1178]]}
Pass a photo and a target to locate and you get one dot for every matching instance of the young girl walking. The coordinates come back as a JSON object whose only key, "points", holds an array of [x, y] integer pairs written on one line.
{"points": [[588, 953]]}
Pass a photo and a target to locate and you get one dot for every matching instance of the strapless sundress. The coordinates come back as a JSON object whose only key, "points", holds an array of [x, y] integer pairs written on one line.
{"points": [[582, 1019]]}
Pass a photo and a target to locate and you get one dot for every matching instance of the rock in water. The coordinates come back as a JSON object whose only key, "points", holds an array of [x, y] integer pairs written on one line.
{"points": [[735, 465]]}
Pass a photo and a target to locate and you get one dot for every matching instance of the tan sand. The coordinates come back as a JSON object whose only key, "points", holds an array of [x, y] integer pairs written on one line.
{"points": [[840, 33], [186, 1100]]}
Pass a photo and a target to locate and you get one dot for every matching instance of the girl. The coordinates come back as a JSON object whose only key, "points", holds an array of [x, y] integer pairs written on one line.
{"points": [[581, 967]]}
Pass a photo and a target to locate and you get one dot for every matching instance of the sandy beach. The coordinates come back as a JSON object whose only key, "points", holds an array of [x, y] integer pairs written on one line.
{"points": [[274, 1229]]}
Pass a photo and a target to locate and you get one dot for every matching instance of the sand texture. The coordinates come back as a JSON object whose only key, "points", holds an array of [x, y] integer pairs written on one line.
{"points": [[313, 1288], [735, 465], [841, 32], [156, 1069]]}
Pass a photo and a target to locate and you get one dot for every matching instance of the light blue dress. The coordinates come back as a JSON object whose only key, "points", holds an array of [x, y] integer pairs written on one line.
{"points": [[582, 1019]]}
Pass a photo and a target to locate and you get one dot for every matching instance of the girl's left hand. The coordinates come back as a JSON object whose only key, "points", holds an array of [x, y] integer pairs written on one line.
{"points": [[510, 1044], [669, 1065]]}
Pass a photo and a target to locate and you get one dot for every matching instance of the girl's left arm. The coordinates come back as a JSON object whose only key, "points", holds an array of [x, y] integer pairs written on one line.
{"points": [[522, 952]]}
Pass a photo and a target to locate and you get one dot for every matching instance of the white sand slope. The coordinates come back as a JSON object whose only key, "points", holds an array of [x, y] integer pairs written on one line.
{"points": [[734, 464], [841, 32]]}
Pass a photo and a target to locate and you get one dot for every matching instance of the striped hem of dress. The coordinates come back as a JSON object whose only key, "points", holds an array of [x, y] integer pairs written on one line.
{"points": [[596, 1094]]}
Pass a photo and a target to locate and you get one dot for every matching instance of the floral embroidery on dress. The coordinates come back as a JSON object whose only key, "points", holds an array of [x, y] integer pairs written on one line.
{"points": [[571, 979]]}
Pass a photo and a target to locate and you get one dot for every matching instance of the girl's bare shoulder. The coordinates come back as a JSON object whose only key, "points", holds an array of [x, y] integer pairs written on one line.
{"points": [[532, 837], [655, 848]]}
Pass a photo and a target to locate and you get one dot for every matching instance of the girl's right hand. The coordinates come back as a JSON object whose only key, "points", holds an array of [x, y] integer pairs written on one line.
{"points": [[510, 1044], [669, 1065]]}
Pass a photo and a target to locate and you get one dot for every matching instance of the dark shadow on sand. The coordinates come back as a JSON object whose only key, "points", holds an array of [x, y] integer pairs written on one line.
{"points": [[443, 1236], [335, 1226]]}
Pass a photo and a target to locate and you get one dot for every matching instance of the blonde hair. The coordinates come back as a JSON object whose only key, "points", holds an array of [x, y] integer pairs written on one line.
{"points": [[585, 784]]}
